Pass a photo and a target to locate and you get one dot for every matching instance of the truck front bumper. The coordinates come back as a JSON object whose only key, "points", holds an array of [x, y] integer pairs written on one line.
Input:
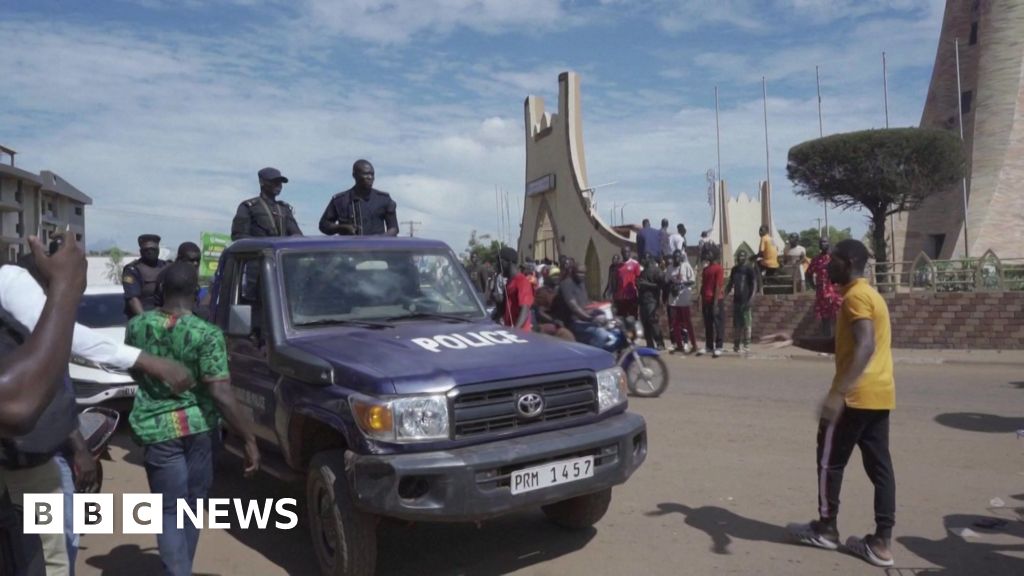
{"points": [[473, 483]]}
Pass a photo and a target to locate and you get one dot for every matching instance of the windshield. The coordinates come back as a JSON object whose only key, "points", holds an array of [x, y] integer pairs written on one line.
{"points": [[101, 311], [326, 286]]}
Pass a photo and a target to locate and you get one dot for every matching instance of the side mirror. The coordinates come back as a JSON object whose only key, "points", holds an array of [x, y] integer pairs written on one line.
{"points": [[240, 320]]}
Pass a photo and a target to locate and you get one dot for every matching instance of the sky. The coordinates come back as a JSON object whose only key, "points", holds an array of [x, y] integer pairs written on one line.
{"points": [[164, 110]]}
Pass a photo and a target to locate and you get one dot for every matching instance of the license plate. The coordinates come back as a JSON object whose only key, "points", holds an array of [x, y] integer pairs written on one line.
{"points": [[552, 474]]}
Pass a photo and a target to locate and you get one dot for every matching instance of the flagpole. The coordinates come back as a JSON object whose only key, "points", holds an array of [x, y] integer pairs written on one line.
{"points": [[764, 89], [885, 92], [767, 151], [821, 134], [718, 176], [960, 111], [718, 136]]}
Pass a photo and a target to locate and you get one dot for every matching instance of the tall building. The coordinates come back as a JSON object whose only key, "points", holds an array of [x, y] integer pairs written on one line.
{"points": [[991, 95], [35, 204]]}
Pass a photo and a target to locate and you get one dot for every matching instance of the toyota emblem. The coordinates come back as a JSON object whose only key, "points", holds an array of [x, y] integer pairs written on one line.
{"points": [[530, 405]]}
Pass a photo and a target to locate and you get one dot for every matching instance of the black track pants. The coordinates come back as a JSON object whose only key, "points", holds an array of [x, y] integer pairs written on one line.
{"points": [[868, 430]]}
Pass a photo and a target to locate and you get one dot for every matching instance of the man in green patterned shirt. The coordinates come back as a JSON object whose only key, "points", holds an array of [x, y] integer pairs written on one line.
{"points": [[179, 431]]}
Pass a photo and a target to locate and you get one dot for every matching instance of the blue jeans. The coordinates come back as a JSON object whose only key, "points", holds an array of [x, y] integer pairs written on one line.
{"points": [[67, 483], [591, 334], [180, 468]]}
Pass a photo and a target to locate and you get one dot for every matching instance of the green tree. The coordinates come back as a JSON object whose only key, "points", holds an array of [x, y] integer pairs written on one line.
{"points": [[810, 238], [484, 251], [883, 171], [114, 257]]}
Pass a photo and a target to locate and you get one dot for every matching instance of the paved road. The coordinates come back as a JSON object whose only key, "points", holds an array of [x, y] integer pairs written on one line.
{"points": [[731, 462]]}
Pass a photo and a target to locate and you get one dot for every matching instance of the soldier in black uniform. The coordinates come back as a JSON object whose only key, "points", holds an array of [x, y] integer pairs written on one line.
{"points": [[140, 277], [360, 210], [265, 215]]}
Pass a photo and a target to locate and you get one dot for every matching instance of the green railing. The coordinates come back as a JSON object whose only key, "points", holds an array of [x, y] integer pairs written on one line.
{"points": [[986, 274]]}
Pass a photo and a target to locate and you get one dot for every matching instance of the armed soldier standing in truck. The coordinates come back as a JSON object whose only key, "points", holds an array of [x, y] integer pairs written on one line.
{"points": [[265, 215], [361, 210]]}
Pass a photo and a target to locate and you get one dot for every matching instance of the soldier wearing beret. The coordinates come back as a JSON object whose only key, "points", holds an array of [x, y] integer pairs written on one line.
{"points": [[361, 210], [265, 215], [140, 277]]}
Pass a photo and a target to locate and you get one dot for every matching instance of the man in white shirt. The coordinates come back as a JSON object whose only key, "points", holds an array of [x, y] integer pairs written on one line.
{"points": [[23, 297], [795, 260], [677, 241]]}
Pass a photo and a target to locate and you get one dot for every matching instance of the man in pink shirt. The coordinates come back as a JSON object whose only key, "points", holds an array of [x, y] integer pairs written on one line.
{"points": [[627, 296]]}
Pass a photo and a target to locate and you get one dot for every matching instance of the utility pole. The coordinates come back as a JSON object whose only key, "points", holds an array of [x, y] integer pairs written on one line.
{"points": [[412, 226]]}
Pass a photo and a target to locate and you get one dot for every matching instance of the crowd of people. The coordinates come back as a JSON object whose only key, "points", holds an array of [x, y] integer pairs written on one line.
{"points": [[552, 298], [180, 361]]}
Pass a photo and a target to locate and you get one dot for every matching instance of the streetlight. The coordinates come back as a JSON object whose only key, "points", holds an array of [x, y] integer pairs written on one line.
{"points": [[622, 217]]}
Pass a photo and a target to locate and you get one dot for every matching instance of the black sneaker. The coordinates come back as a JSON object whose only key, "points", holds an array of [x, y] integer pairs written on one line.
{"points": [[815, 533]]}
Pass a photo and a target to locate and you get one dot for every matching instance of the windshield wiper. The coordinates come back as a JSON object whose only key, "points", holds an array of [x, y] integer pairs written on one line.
{"points": [[344, 322], [431, 315]]}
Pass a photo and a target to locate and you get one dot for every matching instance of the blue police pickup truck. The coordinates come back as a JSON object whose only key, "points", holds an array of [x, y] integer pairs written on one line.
{"points": [[374, 375]]}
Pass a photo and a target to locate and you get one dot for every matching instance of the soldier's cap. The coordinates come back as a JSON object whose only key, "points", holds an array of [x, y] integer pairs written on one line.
{"points": [[148, 238], [271, 174], [508, 254]]}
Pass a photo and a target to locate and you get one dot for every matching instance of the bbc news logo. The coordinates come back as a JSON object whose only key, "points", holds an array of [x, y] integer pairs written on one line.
{"points": [[144, 513]]}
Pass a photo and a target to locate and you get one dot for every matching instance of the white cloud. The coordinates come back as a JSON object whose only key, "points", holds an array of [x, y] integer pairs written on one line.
{"points": [[176, 125], [394, 21]]}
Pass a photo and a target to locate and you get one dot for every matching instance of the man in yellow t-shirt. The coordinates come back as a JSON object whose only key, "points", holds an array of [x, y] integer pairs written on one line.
{"points": [[856, 410], [767, 256]]}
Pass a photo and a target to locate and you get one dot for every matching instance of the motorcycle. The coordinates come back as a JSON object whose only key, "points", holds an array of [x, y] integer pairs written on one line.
{"points": [[97, 425], [646, 372]]}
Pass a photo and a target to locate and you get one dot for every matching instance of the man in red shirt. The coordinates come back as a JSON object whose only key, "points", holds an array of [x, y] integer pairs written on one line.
{"points": [[518, 291], [711, 293], [627, 297]]}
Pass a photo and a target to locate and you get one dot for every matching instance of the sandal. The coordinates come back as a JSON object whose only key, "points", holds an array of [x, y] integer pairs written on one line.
{"points": [[859, 547]]}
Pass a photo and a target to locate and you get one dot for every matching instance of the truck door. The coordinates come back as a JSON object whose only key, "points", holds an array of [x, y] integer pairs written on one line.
{"points": [[251, 376]]}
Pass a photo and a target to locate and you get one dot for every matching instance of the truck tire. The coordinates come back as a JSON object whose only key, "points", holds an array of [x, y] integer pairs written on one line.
{"points": [[345, 539], [580, 512]]}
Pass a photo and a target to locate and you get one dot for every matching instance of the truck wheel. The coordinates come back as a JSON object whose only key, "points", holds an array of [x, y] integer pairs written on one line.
{"points": [[579, 512], [344, 538]]}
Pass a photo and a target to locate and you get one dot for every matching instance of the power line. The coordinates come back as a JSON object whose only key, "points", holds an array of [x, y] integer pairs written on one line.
{"points": [[412, 226]]}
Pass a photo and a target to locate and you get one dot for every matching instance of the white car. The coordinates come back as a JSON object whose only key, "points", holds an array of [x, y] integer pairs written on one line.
{"points": [[101, 309]]}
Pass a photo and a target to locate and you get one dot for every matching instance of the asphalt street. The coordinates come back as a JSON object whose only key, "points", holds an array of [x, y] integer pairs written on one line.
{"points": [[731, 462]]}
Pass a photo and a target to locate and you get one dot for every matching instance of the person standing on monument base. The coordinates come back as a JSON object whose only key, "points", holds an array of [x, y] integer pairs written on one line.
{"points": [[361, 210], [265, 215], [856, 410], [140, 277], [767, 256], [827, 300]]}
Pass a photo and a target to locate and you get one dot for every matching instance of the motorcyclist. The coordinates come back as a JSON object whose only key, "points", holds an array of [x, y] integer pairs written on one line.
{"points": [[570, 308]]}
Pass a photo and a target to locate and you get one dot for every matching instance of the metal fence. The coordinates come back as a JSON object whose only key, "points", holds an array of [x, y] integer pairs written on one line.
{"points": [[986, 274]]}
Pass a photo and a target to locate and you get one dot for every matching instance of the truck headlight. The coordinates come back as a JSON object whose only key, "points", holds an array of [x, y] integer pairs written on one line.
{"points": [[421, 418], [408, 419], [611, 388]]}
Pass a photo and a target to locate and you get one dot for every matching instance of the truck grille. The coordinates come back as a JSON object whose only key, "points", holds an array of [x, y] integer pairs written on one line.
{"points": [[492, 408]]}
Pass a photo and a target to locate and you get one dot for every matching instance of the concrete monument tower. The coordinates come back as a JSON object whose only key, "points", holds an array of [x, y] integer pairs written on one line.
{"points": [[559, 215], [991, 96]]}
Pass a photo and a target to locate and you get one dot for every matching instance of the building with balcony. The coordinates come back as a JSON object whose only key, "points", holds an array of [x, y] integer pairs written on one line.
{"points": [[35, 204]]}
